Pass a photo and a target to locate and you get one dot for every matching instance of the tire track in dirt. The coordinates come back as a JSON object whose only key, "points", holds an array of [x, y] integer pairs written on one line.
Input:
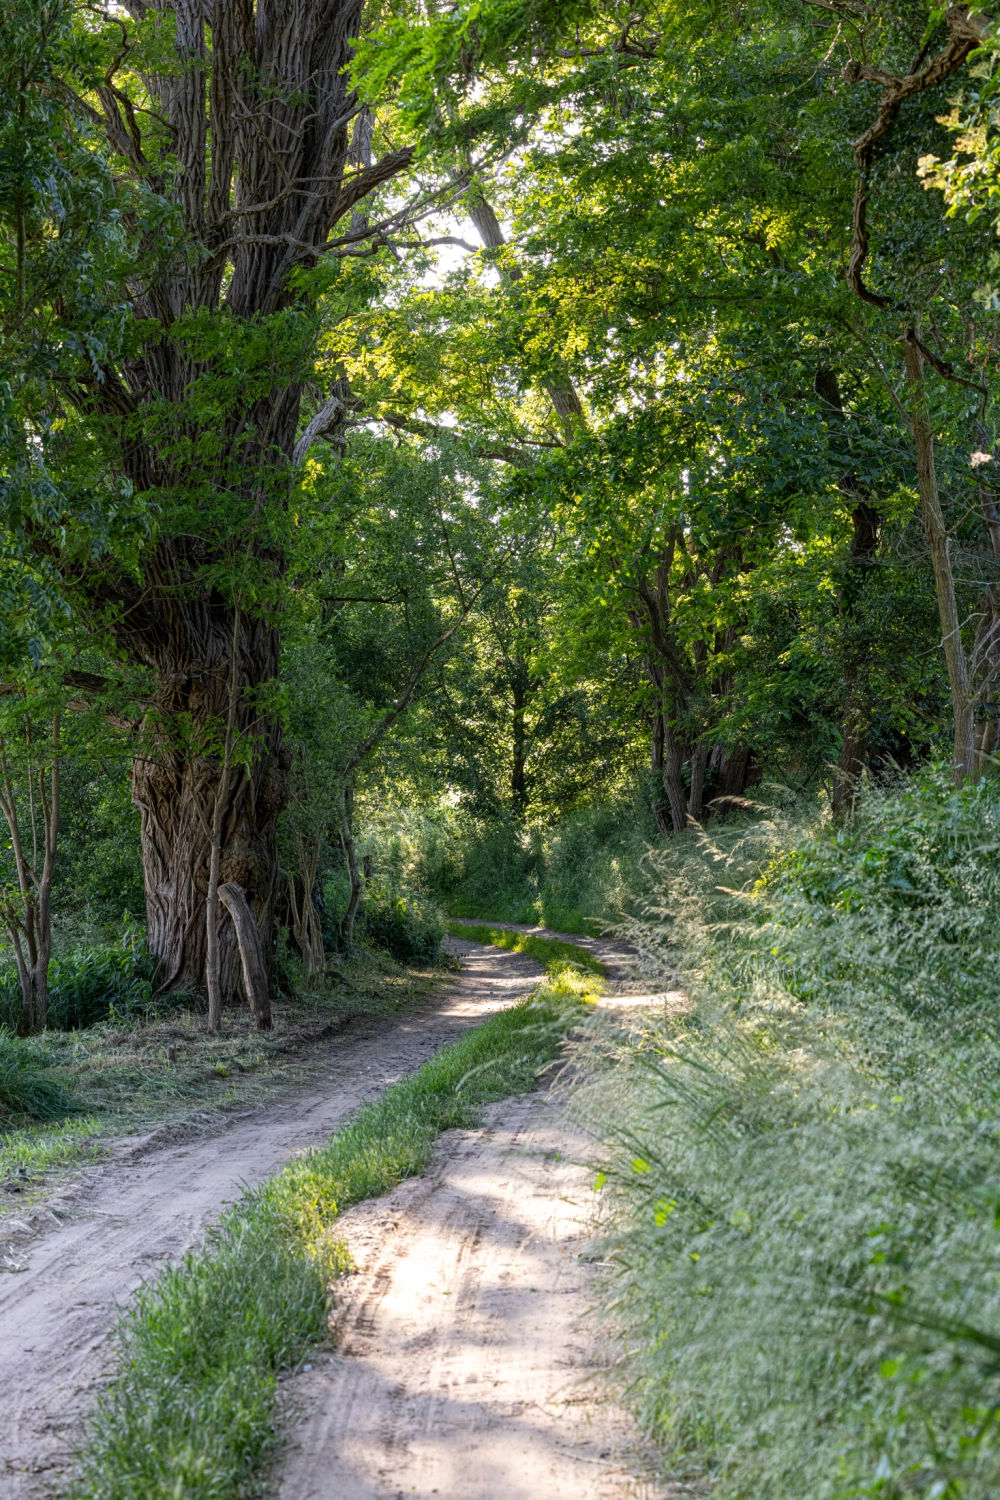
{"points": [[463, 1364], [155, 1198]]}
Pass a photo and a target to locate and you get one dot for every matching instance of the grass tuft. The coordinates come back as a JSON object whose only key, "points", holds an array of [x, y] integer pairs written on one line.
{"points": [[26, 1088], [189, 1413]]}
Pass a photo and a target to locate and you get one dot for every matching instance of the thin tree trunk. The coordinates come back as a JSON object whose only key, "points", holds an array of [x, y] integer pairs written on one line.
{"points": [[354, 874], [663, 822], [50, 826], [857, 704], [673, 783], [561, 392], [518, 777], [255, 977], [861, 555], [29, 919], [306, 926], [986, 655], [699, 760], [213, 978], [964, 754]]}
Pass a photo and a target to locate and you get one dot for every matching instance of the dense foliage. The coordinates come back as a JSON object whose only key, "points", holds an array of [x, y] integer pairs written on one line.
{"points": [[477, 455]]}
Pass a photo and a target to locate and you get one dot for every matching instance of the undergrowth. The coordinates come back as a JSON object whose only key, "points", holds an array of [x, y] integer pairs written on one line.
{"points": [[573, 876], [88, 986], [798, 1175], [189, 1411]]}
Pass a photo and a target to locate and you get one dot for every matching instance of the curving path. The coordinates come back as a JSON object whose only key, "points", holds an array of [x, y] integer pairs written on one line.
{"points": [[462, 1367], [462, 1363], [154, 1199]]}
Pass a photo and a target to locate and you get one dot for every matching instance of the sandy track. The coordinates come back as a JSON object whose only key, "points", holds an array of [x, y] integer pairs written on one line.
{"points": [[463, 1367], [154, 1199]]}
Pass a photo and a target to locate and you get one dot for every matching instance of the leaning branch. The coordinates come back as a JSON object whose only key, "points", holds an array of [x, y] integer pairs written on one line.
{"points": [[967, 33], [402, 703]]}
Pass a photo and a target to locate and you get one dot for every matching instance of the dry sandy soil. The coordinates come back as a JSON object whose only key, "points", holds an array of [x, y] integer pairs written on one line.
{"points": [[461, 1364]]}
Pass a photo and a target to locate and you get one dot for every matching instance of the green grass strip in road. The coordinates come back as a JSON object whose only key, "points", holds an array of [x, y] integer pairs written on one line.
{"points": [[552, 953], [188, 1414]]}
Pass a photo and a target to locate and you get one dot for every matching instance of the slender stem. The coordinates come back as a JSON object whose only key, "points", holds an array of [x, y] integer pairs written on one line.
{"points": [[964, 758], [213, 977]]}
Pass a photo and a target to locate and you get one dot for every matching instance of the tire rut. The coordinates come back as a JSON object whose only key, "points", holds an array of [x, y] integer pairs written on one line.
{"points": [[154, 1199]]}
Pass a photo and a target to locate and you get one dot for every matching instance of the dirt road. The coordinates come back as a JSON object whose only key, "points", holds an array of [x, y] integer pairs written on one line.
{"points": [[154, 1199], [463, 1365]]}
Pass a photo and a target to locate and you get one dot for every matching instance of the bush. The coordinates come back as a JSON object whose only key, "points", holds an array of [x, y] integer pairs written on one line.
{"points": [[404, 927], [799, 1172], [25, 1087], [89, 986]]}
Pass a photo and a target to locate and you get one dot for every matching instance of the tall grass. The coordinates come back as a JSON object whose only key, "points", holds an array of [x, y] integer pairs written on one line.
{"points": [[801, 1209], [27, 1090]]}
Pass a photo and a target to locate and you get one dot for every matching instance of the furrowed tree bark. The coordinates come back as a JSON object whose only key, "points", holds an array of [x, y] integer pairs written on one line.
{"points": [[963, 708], [28, 917], [673, 781], [259, 111], [172, 787]]}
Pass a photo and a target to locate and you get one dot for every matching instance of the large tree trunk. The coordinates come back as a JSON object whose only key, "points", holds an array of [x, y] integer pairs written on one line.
{"points": [[175, 791], [258, 170]]}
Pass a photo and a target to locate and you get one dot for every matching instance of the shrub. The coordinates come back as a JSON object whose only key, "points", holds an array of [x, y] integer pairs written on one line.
{"points": [[403, 926], [86, 987]]}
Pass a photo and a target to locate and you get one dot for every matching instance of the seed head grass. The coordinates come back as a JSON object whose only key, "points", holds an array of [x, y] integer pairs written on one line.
{"points": [[798, 1177]]}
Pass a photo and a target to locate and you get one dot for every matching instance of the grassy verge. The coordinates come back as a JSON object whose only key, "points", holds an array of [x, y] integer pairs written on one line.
{"points": [[189, 1412], [799, 1174], [552, 953], [131, 1073], [45, 1148]]}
